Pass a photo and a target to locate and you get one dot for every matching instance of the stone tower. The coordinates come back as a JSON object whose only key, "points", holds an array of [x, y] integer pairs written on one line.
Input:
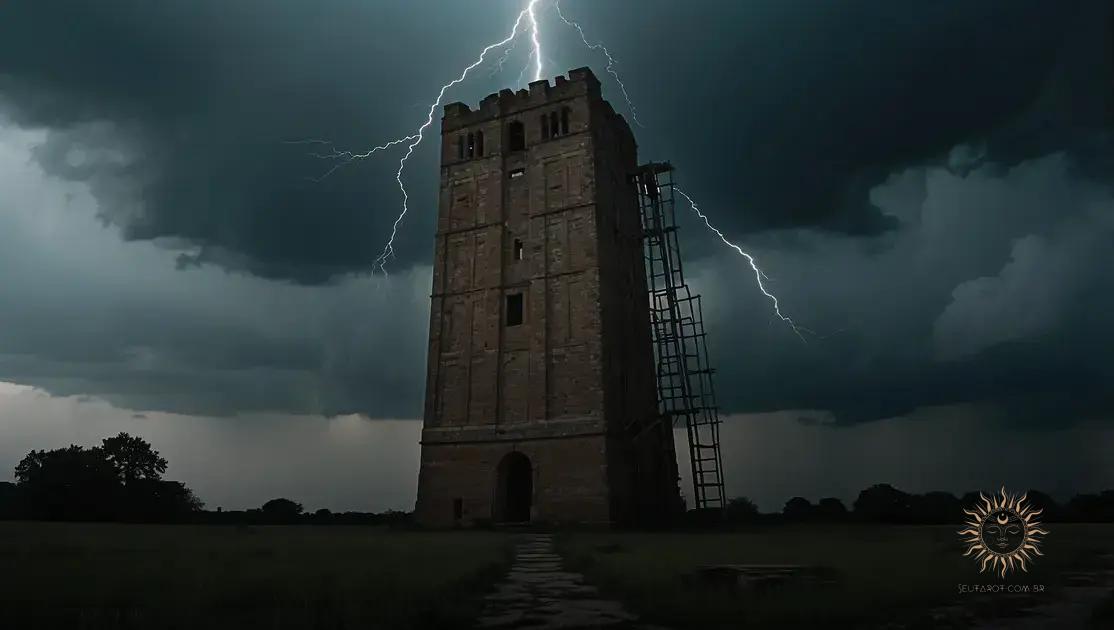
{"points": [[540, 394]]}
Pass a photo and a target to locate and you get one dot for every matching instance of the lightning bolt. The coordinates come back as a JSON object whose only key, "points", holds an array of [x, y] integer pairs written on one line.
{"points": [[758, 273], [347, 157], [529, 16], [537, 50], [610, 61], [528, 13]]}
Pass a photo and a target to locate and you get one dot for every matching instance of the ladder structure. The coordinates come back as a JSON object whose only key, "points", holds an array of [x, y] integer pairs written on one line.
{"points": [[684, 377]]}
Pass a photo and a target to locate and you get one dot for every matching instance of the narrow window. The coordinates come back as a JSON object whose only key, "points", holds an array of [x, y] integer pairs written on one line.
{"points": [[479, 144], [545, 127], [517, 136], [518, 172], [553, 124], [564, 121], [514, 309], [458, 509], [460, 147], [518, 249], [471, 145]]}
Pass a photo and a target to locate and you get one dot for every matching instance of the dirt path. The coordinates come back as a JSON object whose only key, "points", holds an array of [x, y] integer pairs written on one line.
{"points": [[538, 593]]}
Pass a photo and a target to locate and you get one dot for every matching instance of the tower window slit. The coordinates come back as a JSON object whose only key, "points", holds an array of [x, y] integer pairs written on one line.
{"points": [[516, 133], [514, 309]]}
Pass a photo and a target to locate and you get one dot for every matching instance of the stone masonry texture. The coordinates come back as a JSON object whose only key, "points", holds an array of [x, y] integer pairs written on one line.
{"points": [[538, 214]]}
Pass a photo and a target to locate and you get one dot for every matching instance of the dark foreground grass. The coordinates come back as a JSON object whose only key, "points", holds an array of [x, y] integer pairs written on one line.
{"points": [[885, 573], [108, 576]]}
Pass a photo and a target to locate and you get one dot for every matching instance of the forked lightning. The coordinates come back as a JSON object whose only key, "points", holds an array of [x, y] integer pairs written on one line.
{"points": [[528, 17]]}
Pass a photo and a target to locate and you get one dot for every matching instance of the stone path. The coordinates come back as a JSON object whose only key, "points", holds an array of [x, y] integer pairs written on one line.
{"points": [[539, 594]]}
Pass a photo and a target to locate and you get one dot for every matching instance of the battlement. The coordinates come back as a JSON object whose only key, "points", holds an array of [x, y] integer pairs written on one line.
{"points": [[580, 82]]}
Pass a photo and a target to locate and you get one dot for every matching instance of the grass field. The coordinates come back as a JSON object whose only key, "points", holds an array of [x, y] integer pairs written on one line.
{"points": [[884, 573], [106, 576]]}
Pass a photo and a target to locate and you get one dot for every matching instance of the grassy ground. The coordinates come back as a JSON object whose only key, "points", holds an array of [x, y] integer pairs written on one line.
{"points": [[885, 573], [100, 577], [107, 576]]}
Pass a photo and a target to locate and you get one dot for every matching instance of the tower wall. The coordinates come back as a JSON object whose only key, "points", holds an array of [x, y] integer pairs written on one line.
{"points": [[556, 224]]}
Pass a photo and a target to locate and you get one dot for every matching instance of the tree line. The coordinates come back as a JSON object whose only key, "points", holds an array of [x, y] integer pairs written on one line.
{"points": [[883, 503], [122, 480]]}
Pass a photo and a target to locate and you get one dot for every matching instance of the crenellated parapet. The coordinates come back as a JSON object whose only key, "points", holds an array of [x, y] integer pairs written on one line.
{"points": [[509, 120], [580, 82]]}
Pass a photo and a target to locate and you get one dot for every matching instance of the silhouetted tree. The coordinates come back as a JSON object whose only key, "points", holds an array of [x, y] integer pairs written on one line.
{"points": [[119, 480], [797, 508], [882, 502], [11, 501], [158, 500], [72, 483], [133, 458], [935, 507], [1092, 507], [970, 499], [281, 510], [831, 509], [1050, 509], [741, 509]]}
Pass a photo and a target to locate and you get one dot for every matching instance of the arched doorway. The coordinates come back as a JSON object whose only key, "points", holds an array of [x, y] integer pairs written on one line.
{"points": [[514, 489]]}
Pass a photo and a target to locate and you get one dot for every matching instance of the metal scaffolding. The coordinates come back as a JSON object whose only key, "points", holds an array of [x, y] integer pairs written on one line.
{"points": [[684, 376]]}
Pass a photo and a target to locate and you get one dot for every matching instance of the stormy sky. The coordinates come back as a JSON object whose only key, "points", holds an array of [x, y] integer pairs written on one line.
{"points": [[929, 187]]}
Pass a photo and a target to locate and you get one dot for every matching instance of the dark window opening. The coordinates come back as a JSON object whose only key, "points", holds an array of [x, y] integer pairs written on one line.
{"points": [[516, 133], [514, 309], [553, 124], [460, 147], [564, 121], [545, 127], [471, 145], [518, 172], [479, 144], [458, 509], [518, 249]]}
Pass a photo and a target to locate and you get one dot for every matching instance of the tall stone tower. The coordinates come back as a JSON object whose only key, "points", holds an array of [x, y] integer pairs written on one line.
{"points": [[540, 394]]}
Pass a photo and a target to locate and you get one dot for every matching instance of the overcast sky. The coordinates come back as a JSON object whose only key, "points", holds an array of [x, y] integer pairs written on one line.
{"points": [[927, 185]]}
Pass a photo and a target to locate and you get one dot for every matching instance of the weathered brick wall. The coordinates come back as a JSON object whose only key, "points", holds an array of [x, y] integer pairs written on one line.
{"points": [[645, 460], [575, 371], [569, 480]]}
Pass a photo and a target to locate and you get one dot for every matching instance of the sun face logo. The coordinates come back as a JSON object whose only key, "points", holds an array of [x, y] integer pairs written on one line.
{"points": [[1002, 533]]}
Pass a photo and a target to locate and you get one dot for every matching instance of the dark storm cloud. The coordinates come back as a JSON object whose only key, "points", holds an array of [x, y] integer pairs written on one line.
{"points": [[997, 288], [927, 184], [202, 95], [792, 111], [83, 314]]}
